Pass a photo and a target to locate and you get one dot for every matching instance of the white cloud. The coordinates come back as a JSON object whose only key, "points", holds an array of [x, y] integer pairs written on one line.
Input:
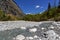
{"points": [[37, 6], [28, 13]]}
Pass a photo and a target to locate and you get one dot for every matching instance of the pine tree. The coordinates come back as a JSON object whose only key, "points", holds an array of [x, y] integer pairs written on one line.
{"points": [[49, 7], [59, 4], [58, 10]]}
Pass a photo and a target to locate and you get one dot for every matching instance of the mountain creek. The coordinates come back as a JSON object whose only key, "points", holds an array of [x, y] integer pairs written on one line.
{"points": [[27, 30]]}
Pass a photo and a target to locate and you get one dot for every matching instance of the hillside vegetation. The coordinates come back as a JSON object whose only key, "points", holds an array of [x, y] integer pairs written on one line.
{"points": [[51, 14], [7, 17]]}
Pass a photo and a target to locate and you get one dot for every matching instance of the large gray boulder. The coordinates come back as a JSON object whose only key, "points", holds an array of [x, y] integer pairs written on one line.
{"points": [[50, 35]]}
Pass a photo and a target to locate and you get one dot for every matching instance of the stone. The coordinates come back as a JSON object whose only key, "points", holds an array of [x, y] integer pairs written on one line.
{"points": [[50, 35]]}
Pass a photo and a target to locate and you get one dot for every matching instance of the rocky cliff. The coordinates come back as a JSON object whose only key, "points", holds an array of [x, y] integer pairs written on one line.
{"points": [[10, 7]]}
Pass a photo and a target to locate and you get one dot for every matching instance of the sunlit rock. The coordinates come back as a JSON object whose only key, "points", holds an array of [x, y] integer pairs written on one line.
{"points": [[50, 35], [14, 38], [29, 38], [51, 27], [23, 28], [42, 28], [20, 37], [33, 30], [35, 36]]}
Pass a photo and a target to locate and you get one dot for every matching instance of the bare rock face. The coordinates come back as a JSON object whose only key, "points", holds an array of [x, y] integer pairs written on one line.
{"points": [[10, 6]]}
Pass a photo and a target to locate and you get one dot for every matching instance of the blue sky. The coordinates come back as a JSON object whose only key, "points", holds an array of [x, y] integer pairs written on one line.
{"points": [[34, 6]]}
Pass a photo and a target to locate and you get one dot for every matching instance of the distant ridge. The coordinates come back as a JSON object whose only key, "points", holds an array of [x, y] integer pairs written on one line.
{"points": [[10, 7]]}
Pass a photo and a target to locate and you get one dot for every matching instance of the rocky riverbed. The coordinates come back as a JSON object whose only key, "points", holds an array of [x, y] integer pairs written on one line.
{"points": [[26, 30]]}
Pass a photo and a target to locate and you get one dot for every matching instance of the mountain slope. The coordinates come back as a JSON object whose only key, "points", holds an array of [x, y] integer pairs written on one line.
{"points": [[7, 17], [10, 7]]}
